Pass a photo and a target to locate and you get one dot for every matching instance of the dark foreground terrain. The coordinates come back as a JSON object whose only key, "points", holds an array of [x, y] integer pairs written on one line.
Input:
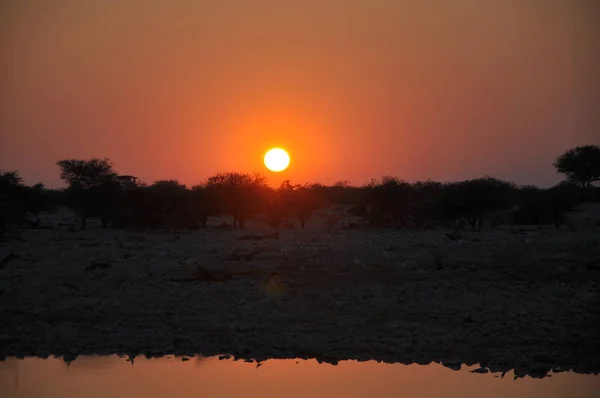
{"points": [[524, 299]]}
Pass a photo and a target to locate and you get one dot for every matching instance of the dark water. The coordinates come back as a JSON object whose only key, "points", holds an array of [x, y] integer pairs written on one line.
{"points": [[112, 376]]}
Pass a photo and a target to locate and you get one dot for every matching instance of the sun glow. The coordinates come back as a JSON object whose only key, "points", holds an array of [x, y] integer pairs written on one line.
{"points": [[277, 159]]}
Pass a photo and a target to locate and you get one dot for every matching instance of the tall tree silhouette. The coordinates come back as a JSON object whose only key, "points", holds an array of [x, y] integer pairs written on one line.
{"points": [[239, 194], [580, 164], [90, 185]]}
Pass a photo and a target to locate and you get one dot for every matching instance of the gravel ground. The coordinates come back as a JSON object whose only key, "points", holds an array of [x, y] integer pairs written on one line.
{"points": [[509, 299]]}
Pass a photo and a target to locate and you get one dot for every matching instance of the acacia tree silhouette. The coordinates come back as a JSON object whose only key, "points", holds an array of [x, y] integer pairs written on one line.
{"points": [[90, 184], [580, 164]]}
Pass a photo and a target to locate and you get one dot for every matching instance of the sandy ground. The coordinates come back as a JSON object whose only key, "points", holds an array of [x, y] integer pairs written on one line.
{"points": [[506, 298]]}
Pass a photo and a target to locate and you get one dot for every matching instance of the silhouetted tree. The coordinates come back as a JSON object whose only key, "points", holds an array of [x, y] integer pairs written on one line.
{"points": [[173, 204], [18, 201], [343, 193], [95, 189], [304, 204], [276, 211], [280, 205], [91, 186], [238, 194], [546, 206], [10, 181], [202, 204], [295, 199], [38, 199], [425, 203], [473, 199], [580, 164], [389, 200], [165, 203], [12, 209]]}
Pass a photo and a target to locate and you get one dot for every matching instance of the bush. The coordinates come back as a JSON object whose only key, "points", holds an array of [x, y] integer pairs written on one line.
{"points": [[546, 206], [473, 200], [12, 195]]}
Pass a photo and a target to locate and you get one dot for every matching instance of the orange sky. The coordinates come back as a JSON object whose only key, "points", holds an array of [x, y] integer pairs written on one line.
{"points": [[353, 89]]}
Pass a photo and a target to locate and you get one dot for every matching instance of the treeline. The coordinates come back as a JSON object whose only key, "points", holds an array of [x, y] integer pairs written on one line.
{"points": [[95, 189]]}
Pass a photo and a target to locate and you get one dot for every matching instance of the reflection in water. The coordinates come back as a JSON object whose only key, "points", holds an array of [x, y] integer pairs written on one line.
{"points": [[178, 377]]}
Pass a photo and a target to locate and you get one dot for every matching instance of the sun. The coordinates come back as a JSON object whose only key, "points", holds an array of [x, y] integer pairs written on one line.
{"points": [[277, 159]]}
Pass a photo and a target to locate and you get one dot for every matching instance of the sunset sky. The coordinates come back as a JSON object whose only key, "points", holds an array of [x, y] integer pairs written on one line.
{"points": [[353, 89]]}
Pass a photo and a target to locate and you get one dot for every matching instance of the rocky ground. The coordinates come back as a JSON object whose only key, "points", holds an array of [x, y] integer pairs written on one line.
{"points": [[507, 298]]}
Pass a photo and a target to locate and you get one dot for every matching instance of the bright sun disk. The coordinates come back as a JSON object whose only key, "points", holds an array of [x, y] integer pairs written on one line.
{"points": [[277, 159]]}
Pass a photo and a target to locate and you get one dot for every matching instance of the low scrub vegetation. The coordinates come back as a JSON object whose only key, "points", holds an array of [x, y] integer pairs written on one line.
{"points": [[94, 188]]}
